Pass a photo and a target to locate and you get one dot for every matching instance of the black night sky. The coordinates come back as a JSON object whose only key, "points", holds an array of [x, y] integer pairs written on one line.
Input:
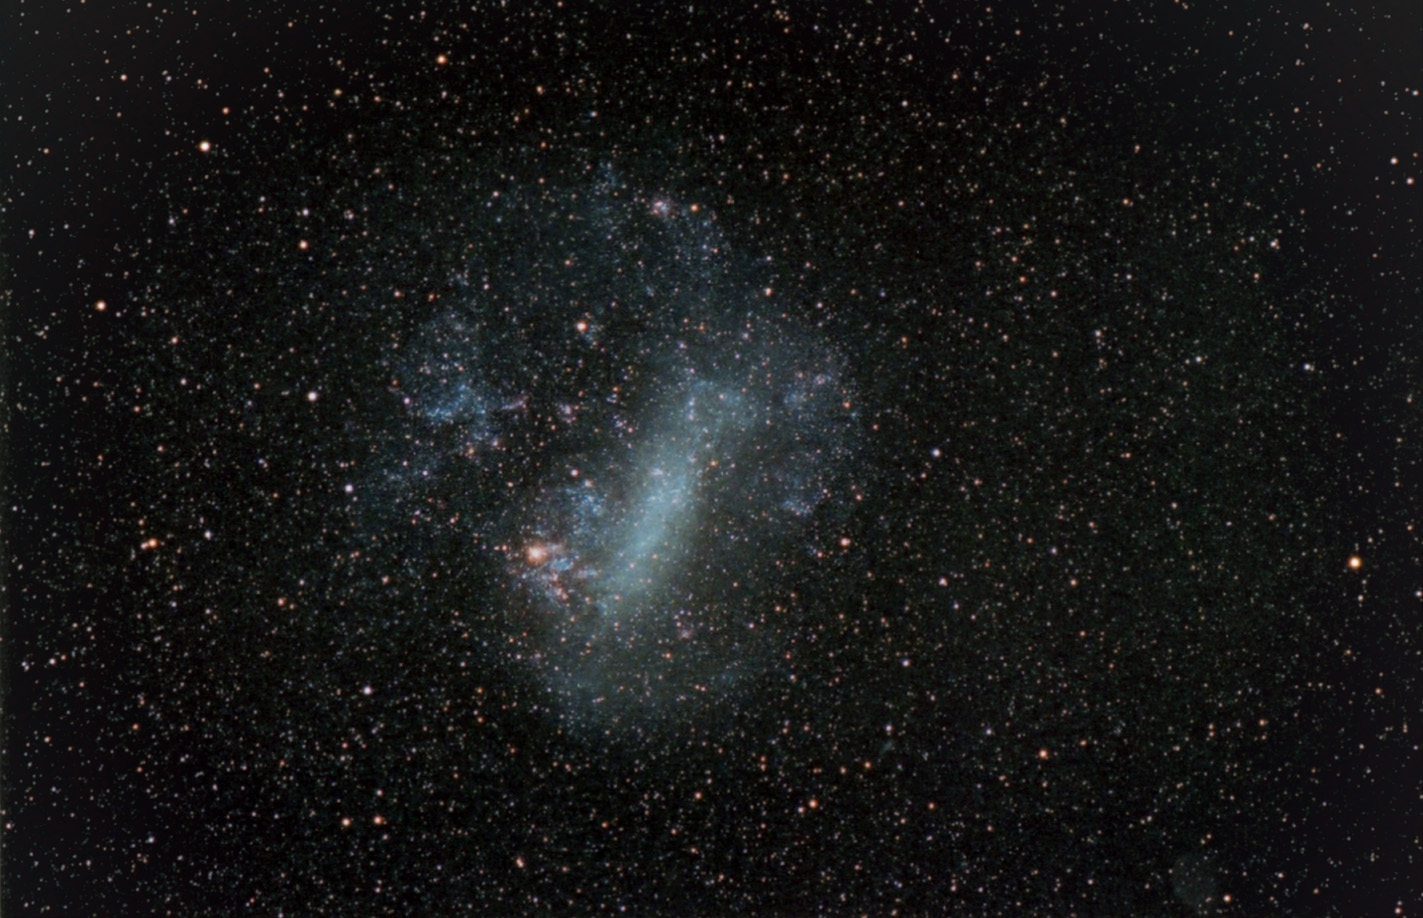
{"points": [[790, 459]]}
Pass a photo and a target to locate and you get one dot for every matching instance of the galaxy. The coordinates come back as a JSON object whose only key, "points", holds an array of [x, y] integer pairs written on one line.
{"points": [[674, 447], [763, 459]]}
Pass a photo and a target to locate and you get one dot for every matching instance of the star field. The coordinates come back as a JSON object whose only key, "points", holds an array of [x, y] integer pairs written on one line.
{"points": [[876, 459]]}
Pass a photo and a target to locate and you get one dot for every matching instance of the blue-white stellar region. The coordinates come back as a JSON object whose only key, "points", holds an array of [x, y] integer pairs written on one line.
{"points": [[638, 467], [663, 516], [645, 579]]}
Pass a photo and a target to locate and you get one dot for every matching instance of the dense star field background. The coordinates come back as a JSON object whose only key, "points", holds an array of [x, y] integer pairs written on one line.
{"points": [[759, 459]]}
